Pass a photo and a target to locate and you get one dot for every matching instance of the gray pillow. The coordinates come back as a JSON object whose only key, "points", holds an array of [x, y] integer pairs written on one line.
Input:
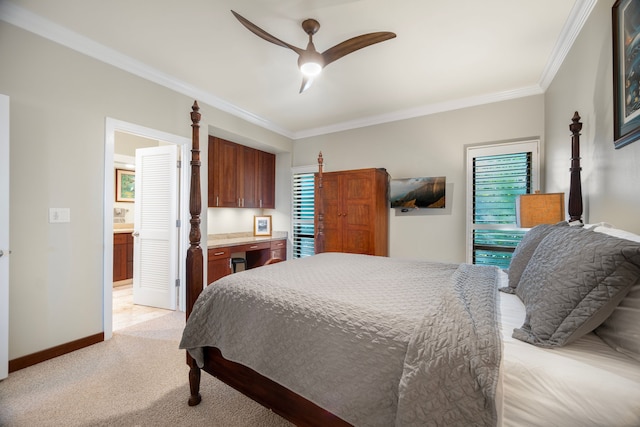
{"points": [[523, 253], [572, 283]]}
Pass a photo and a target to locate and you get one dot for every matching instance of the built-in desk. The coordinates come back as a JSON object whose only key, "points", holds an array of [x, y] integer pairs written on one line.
{"points": [[257, 251]]}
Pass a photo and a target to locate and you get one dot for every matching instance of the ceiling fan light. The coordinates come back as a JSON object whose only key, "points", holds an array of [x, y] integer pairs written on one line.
{"points": [[310, 69]]}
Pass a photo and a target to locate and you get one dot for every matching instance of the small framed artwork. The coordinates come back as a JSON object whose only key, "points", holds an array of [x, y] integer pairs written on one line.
{"points": [[125, 185], [626, 72], [262, 225]]}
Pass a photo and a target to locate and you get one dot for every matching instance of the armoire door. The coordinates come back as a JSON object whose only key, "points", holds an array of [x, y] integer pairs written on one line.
{"points": [[357, 212], [331, 210]]}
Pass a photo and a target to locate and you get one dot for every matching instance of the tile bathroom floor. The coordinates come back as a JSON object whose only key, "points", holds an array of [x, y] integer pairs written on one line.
{"points": [[126, 313]]}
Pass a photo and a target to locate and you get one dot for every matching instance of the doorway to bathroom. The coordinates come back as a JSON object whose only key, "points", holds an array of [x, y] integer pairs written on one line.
{"points": [[156, 249]]}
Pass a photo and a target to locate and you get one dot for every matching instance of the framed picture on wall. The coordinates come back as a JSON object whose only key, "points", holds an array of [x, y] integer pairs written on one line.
{"points": [[262, 225], [626, 72], [125, 185]]}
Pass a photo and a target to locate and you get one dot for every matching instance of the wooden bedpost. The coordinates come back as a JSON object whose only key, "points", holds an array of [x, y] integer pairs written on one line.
{"points": [[319, 243], [575, 188], [194, 253]]}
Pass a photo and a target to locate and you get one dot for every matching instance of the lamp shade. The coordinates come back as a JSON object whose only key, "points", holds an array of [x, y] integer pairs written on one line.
{"points": [[536, 209]]}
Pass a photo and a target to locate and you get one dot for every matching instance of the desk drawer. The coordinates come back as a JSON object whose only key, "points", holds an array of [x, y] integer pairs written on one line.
{"points": [[217, 253], [278, 244], [251, 247]]}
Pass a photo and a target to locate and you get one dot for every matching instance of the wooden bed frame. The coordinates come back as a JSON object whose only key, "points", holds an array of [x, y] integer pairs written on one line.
{"points": [[268, 393]]}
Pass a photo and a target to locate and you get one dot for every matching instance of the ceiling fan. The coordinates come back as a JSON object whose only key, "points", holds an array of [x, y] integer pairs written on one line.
{"points": [[310, 61]]}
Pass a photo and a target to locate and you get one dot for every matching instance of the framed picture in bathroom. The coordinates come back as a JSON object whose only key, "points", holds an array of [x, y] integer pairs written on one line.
{"points": [[125, 185]]}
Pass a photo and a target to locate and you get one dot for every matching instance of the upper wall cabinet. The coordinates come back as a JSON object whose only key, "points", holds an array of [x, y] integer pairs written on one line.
{"points": [[239, 176], [266, 180]]}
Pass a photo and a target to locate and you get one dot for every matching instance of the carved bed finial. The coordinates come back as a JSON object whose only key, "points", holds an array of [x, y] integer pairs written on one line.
{"points": [[575, 186], [195, 202]]}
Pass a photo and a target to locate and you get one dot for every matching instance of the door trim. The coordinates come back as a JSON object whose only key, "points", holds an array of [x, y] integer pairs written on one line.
{"points": [[111, 126], [4, 234]]}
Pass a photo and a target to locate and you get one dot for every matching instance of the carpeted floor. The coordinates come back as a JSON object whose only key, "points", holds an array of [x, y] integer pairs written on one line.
{"points": [[138, 378]]}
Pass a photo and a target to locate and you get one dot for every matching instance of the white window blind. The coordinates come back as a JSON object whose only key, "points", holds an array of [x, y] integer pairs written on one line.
{"points": [[303, 205], [497, 174]]}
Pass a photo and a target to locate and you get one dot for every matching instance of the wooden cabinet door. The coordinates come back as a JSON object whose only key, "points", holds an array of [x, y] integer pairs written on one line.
{"points": [[247, 177], [129, 256], [119, 257], [266, 180], [223, 173]]}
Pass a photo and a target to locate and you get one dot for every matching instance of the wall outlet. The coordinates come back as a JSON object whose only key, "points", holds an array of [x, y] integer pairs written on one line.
{"points": [[57, 215]]}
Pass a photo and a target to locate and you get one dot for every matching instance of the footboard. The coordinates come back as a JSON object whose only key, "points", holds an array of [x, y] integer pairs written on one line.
{"points": [[268, 393]]}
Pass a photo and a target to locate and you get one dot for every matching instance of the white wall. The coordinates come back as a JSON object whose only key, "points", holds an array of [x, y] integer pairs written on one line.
{"points": [[427, 146], [59, 103], [584, 83]]}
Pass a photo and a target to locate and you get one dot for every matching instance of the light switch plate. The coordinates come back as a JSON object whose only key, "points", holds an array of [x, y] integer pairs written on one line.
{"points": [[57, 215]]}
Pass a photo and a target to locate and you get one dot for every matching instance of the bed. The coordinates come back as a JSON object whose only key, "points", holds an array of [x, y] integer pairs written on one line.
{"points": [[346, 339]]}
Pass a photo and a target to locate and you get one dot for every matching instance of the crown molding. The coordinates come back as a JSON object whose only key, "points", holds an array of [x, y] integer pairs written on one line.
{"points": [[34, 23], [47, 29], [576, 20], [424, 110]]}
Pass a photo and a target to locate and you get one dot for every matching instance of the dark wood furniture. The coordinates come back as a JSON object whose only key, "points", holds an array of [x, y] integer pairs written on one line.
{"points": [[122, 256], [272, 395], [257, 254], [278, 251], [352, 209], [240, 176], [218, 263]]}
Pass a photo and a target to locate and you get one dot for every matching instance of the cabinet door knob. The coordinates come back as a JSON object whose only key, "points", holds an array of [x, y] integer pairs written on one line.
{"points": [[135, 234]]}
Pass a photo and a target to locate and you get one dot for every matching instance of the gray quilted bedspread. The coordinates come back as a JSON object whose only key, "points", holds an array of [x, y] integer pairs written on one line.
{"points": [[377, 341]]}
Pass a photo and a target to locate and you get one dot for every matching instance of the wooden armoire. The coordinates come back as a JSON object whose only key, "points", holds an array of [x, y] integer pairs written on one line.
{"points": [[352, 211]]}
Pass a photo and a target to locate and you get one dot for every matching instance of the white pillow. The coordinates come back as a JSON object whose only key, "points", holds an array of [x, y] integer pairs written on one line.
{"points": [[615, 232], [622, 329]]}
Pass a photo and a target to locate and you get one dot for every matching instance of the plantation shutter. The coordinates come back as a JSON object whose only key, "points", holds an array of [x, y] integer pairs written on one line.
{"points": [[498, 177], [497, 180], [303, 214]]}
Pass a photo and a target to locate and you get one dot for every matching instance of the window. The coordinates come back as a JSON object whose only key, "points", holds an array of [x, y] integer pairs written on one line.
{"points": [[496, 175], [303, 211]]}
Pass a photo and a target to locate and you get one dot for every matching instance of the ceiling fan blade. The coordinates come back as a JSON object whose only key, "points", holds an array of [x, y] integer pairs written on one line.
{"points": [[353, 44], [306, 83], [264, 35]]}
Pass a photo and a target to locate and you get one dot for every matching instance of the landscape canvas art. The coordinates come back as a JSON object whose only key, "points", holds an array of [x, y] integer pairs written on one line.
{"points": [[412, 193]]}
